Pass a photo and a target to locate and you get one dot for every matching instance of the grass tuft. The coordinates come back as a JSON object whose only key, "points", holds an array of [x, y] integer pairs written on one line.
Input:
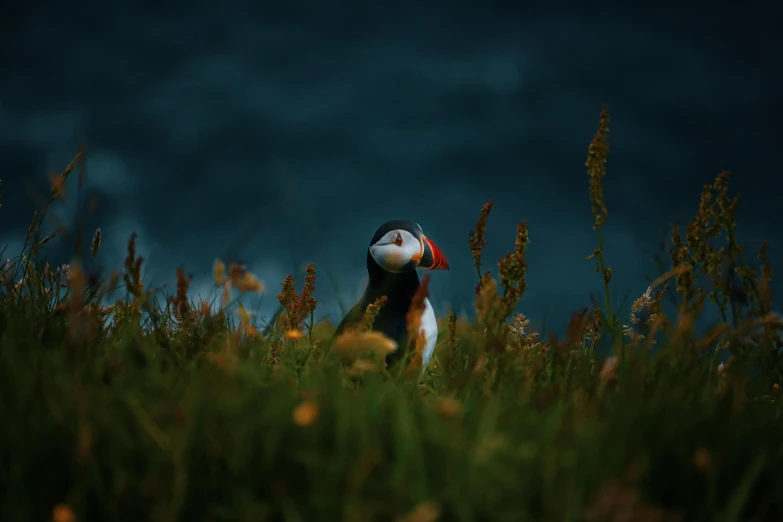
{"points": [[121, 402]]}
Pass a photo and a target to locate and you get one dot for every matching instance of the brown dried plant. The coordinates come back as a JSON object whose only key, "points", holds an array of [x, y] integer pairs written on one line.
{"points": [[132, 274], [597, 154], [369, 315], [290, 303], [741, 293], [183, 312], [298, 307], [512, 270], [477, 240]]}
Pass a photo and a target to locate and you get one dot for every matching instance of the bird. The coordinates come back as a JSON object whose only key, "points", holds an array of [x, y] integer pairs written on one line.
{"points": [[396, 250]]}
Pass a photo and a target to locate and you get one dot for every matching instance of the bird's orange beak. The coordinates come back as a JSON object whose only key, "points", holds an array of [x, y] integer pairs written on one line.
{"points": [[431, 257]]}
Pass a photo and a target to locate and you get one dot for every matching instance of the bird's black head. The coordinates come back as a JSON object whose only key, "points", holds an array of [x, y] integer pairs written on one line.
{"points": [[400, 246]]}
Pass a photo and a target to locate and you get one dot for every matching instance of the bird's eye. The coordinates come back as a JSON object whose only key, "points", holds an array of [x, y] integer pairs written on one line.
{"points": [[398, 239]]}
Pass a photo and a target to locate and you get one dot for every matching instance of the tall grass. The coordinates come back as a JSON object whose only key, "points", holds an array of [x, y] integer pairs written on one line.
{"points": [[119, 402]]}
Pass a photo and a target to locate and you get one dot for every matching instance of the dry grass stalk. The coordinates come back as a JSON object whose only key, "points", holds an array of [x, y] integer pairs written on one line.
{"points": [[597, 154], [369, 315], [478, 241]]}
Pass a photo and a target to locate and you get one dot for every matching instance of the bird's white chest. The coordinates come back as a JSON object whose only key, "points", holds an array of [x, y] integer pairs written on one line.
{"points": [[429, 327]]}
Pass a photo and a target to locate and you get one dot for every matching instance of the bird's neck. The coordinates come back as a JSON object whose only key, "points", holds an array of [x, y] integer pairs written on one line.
{"points": [[398, 288]]}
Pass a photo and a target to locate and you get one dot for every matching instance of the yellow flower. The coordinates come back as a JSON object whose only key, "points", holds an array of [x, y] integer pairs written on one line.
{"points": [[352, 344], [360, 367], [306, 413], [293, 335], [243, 280], [63, 513]]}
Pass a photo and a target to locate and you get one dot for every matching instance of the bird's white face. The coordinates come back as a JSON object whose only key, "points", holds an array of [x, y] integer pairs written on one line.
{"points": [[396, 250]]}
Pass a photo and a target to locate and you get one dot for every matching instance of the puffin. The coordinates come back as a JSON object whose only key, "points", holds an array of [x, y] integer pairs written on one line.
{"points": [[396, 250]]}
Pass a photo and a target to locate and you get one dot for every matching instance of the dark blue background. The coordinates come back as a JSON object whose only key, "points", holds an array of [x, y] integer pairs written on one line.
{"points": [[286, 132]]}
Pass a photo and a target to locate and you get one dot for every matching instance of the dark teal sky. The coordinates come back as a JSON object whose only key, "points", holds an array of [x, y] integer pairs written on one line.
{"points": [[294, 129]]}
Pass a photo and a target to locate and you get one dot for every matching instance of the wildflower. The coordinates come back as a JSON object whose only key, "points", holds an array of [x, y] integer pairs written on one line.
{"points": [[219, 273], [63, 513], [243, 280], [519, 330], [206, 309], [306, 413], [640, 315], [293, 335]]}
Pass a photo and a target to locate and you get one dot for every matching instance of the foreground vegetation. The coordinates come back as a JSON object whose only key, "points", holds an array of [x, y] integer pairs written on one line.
{"points": [[120, 403]]}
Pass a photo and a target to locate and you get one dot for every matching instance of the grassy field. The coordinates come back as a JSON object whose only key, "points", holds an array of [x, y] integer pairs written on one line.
{"points": [[120, 403]]}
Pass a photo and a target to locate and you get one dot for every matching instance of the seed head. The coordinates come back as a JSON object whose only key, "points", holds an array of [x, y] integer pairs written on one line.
{"points": [[96, 242], [308, 303], [289, 300], [476, 238], [369, 315], [596, 167]]}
